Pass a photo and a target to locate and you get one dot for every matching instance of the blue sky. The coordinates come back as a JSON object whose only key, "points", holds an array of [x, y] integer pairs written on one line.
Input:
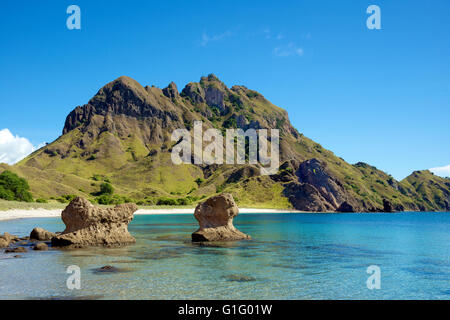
{"points": [[378, 96]]}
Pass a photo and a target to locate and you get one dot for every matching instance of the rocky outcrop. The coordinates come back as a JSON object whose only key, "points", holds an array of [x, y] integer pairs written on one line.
{"points": [[88, 225], [215, 217], [345, 207], [123, 97], [171, 91], [41, 234], [214, 98], [316, 188], [306, 197], [314, 173], [194, 92], [387, 206], [6, 239]]}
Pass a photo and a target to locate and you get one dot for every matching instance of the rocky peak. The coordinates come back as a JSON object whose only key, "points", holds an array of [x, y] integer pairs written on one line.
{"points": [[123, 96], [194, 92], [171, 91]]}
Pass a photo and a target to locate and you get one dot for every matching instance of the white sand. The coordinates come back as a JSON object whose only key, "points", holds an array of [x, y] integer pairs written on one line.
{"points": [[44, 213]]}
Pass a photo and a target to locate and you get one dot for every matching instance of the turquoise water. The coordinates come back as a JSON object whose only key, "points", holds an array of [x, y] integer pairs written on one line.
{"points": [[292, 256]]}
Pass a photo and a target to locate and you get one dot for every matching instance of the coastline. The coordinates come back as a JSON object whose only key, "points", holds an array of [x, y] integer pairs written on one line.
{"points": [[51, 213]]}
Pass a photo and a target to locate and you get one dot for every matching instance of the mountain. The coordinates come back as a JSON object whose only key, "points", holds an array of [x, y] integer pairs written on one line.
{"points": [[123, 136]]}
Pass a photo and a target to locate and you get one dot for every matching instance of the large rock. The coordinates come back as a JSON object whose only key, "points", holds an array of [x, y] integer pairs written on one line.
{"points": [[41, 234], [6, 239], [87, 225], [215, 217]]}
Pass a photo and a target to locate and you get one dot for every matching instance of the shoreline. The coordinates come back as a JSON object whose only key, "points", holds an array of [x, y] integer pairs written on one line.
{"points": [[54, 213]]}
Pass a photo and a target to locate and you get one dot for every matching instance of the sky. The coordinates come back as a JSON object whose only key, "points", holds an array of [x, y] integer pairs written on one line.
{"points": [[376, 96]]}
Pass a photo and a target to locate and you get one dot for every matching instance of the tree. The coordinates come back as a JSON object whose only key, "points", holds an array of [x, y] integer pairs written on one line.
{"points": [[12, 187], [106, 188], [199, 181]]}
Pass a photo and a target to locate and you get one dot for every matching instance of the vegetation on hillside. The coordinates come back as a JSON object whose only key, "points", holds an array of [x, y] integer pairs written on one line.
{"points": [[12, 187]]}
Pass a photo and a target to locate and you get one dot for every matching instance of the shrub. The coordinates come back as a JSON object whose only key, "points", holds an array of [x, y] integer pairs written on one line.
{"points": [[106, 188], [97, 177], [182, 201], [12, 187], [104, 199], [41, 201], [199, 181], [66, 198], [166, 202], [220, 188], [116, 199]]}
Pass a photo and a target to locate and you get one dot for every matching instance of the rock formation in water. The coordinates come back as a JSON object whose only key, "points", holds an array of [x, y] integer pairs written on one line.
{"points": [[215, 217], [41, 234], [88, 225], [6, 239]]}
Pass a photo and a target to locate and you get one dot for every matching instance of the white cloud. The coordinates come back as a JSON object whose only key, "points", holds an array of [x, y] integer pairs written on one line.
{"points": [[14, 148], [441, 171], [207, 39], [287, 51]]}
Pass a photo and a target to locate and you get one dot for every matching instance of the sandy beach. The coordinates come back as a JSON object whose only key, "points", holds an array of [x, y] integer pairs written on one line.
{"points": [[45, 213]]}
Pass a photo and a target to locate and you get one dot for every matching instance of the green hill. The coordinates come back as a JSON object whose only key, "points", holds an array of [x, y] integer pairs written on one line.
{"points": [[123, 136]]}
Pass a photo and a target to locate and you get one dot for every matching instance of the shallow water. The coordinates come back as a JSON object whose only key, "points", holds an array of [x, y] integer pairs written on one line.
{"points": [[291, 256]]}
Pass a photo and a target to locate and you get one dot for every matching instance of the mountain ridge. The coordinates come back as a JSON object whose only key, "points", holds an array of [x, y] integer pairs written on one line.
{"points": [[124, 132]]}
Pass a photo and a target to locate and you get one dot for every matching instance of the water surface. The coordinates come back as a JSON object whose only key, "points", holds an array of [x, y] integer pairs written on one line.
{"points": [[291, 256]]}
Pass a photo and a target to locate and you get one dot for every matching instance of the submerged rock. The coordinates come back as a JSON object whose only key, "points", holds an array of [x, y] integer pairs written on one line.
{"points": [[107, 269], [41, 234], [239, 278], [41, 246], [16, 250], [88, 225], [111, 269], [215, 217]]}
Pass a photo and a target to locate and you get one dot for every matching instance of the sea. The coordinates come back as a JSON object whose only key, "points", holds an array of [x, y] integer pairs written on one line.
{"points": [[291, 256]]}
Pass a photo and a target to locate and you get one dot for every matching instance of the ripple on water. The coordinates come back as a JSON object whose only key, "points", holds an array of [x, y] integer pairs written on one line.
{"points": [[428, 272]]}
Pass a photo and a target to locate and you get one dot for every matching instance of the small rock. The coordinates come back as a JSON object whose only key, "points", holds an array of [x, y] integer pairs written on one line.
{"points": [[239, 278], [16, 250], [42, 246], [41, 234], [3, 243], [107, 269]]}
